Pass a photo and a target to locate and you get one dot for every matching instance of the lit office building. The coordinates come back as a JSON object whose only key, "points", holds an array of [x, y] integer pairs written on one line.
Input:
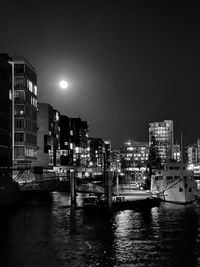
{"points": [[79, 134], [193, 153], [25, 112], [95, 152], [134, 155], [176, 152], [66, 141], [115, 160], [164, 137], [107, 146]]}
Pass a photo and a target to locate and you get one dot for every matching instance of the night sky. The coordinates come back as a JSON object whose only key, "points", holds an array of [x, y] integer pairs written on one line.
{"points": [[128, 63]]}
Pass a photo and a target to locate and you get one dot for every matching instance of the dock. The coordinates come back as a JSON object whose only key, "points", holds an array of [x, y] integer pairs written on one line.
{"points": [[126, 200]]}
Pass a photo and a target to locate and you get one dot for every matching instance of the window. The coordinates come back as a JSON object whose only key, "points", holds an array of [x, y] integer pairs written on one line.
{"points": [[19, 82], [19, 123], [30, 152], [35, 89], [19, 151], [19, 137], [31, 139], [19, 109], [28, 98], [19, 95], [19, 68], [30, 86]]}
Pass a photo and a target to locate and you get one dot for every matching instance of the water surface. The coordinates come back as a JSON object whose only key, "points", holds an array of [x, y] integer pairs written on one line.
{"points": [[47, 232]]}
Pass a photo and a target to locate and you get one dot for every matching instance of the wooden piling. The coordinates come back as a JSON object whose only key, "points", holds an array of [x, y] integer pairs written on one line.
{"points": [[109, 179], [72, 187]]}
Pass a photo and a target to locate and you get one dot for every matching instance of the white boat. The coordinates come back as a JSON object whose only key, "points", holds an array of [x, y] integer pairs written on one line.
{"points": [[174, 184]]}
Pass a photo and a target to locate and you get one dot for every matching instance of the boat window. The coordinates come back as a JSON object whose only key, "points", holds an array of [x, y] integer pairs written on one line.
{"points": [[180, 189], [176, 177], [177, 168], [171, 168], [169, 177], [190, 189]]}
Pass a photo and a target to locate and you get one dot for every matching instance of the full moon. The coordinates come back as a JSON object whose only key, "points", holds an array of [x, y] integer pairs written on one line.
{"points": [[63, 84]]}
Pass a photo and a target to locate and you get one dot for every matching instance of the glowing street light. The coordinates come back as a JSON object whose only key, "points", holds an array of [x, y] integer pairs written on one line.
{"points": [[63, 84]]}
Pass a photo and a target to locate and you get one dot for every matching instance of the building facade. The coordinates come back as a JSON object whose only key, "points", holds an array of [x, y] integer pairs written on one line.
{"points": [[79, 134], [25, 112], [164, 136], [193, 153], [115, 164], [66, 142], [134, 155], [5, 117], [48, 134], [107, 145], [95, 152], [176, 151]]}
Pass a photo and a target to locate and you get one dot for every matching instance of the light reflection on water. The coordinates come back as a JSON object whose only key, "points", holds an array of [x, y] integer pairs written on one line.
{"points": [[47, 232]]}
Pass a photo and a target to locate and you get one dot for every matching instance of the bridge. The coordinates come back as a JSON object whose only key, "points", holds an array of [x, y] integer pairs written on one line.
{"points": [[61, 184]]}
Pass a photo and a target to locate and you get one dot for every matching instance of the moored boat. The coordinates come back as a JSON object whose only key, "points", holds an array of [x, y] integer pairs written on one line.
{"points": [[90, 201], [174, 184]]}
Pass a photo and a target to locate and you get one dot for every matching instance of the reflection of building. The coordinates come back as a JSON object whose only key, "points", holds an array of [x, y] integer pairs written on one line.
{"points": [[164, 136], [25, 112], [5, 115], [48, 136]]}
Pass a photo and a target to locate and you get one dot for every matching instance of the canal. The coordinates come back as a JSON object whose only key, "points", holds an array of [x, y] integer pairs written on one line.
{"points": [[45, 231]]}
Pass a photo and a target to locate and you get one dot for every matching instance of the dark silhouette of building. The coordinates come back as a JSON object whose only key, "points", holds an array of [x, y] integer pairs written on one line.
{"points": [[66, 142], [79, 134], [96, 148], [9, 190], [5, 117], [48, 136]]}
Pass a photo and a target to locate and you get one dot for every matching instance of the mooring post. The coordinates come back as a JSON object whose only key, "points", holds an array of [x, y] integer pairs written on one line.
{"points": [[72, 187], [109, 177]]}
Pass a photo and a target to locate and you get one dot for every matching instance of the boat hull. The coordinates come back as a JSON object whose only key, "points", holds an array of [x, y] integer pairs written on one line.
{"points": [[181, 191]]}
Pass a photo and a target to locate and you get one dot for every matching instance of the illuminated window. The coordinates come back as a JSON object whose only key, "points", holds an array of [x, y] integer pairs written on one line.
{"points": [[35, 89], [30, 86], [10, 94], [57, 116]]}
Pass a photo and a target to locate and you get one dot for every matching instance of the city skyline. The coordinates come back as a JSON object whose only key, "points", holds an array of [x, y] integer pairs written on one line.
{"points": [[126, 64]]}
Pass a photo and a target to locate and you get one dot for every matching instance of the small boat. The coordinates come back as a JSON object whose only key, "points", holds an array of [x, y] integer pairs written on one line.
{"points": [[174, 184], [90, 201]]}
